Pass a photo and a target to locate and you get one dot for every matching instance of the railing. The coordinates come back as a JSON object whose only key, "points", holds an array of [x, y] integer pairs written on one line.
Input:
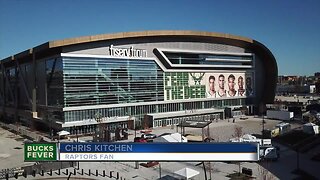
{"points": [[37, 168]]}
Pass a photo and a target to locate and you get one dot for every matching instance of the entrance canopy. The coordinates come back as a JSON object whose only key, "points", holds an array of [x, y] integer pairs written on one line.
{"points": [[194, 124], [185, 113]]}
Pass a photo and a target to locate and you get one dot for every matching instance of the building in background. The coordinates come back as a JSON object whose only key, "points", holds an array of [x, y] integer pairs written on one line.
{"points": [[298, 85], [151, 78]]}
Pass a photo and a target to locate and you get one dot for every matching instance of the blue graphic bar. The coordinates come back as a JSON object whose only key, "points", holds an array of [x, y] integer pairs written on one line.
{"points": [[158, 147]]}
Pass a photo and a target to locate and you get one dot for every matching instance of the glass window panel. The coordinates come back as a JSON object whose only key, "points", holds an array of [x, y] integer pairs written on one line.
{"points": [[91, 81]]}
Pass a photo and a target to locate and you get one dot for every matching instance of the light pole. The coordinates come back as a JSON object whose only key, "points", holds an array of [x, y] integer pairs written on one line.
{"points": [[262, 110], [76, 129], [59, 150]]}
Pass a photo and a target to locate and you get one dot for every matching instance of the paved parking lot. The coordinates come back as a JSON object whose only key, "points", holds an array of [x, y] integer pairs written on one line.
{"points": [[11, 150]]}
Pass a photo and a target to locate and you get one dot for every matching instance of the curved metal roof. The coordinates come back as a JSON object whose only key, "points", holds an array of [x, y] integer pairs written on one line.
{"points": [[268, 60], [126, 35]]}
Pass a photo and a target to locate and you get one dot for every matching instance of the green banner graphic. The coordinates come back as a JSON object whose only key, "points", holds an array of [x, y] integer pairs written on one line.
{"points": [[40, 152]]}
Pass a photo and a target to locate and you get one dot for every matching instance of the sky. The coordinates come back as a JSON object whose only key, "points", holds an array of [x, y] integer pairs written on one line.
{"points": [[290, 29]]}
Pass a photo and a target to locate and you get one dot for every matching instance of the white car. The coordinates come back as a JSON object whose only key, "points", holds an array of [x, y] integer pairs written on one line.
{"points": [[148, 136], [243, 117]]}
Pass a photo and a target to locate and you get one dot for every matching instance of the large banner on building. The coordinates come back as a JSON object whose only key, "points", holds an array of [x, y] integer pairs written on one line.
{"points": [[183, 85]]}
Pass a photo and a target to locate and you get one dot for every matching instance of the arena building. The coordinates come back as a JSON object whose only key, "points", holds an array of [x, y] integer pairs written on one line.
{"points": [[150, 78]]}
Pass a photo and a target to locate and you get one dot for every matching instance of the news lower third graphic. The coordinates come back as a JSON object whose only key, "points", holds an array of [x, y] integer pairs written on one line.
{"points": [[141, 152]]}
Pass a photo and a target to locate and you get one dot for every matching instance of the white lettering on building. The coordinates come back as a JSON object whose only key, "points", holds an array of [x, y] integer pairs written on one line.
{"points": [[127, 52]]}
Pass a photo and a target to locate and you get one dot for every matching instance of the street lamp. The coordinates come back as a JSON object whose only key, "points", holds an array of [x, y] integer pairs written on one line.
{"points": [[76, 129], [262, 110]]}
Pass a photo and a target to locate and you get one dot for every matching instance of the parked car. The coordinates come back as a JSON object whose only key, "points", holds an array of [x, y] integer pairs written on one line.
{"points": [[140, 140], [148, 136], [243, 117], [164, 134]]}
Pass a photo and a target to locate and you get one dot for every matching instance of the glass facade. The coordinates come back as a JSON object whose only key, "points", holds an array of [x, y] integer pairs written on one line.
{"points": [[103, 81], [82, 81], [94, 81], [141, 110], [54, 78], [217, 59]]}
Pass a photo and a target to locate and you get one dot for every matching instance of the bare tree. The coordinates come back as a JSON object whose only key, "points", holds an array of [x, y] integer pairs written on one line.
{"points": [[210, 167], [238, 134]]}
